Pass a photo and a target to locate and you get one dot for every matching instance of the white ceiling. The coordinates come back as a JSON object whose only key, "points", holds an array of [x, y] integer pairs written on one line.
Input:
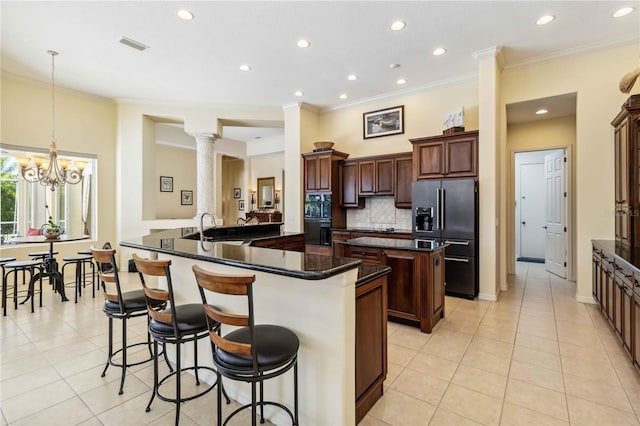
{"points": [[197, 61], [556, 106]]}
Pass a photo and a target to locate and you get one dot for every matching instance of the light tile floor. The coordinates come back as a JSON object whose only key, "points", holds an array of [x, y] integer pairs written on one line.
{"points": [[535, 357]]}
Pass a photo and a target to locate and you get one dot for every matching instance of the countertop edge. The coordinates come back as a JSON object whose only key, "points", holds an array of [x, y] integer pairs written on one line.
{"points": [[317, 275]]}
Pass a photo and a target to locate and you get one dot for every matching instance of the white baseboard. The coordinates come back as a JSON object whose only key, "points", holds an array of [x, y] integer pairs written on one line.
{"points": [[585, 299], [489, 297]]}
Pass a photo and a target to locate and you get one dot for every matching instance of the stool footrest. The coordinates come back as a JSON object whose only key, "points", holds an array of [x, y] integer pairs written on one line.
{"points": [[132, 364], [188, 398]]}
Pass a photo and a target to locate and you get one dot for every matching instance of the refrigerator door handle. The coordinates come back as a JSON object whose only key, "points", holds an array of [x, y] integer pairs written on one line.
{"points": [[438, 218], [459, 243], [442, 201], [454, 259]]}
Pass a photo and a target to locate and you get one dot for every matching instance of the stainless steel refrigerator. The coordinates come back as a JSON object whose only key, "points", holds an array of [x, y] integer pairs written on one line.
{"points": [[447, 211]]}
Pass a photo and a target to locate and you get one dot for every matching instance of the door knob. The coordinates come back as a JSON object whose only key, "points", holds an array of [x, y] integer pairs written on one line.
{"points": [[544, 227], [524, 223]]}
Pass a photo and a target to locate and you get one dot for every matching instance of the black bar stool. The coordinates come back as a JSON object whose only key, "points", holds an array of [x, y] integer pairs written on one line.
{"points": [[252, 353], [4, 260], [13, 268], [176, 325], [41, 256], [79, 281], [120, 305], [88, 263]]}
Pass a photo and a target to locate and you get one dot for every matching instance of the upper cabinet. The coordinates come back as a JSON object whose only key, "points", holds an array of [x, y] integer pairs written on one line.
{"points": [[321, 170], [376, 176], [403, 177], [627, 202], [445, 156]]}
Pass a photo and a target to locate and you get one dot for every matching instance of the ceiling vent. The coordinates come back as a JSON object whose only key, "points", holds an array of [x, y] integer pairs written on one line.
{"points": [[134, 44]]}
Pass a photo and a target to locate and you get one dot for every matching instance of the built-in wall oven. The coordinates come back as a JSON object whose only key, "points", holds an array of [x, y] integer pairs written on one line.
{"points": [[317, 219]]}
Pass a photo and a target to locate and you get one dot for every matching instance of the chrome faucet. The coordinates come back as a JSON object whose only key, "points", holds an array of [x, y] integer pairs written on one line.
{"points": [[213, 219]]}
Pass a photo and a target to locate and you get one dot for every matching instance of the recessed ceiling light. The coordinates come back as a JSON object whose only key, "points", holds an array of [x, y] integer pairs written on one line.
{"points": [[439, 51], [541, 111], [245, 67], [401, 81], [344, 96], [623, 12], [303, 43], [544, 20], [398, 25], [352, 77], [392, 66], [185, 14], [298, 93]]}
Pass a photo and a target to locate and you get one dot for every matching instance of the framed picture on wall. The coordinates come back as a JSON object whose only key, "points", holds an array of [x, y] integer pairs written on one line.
{"points": [[383, 122], [236, 193], [166, 243], [241, 205], [166, 184], [186, 198]]}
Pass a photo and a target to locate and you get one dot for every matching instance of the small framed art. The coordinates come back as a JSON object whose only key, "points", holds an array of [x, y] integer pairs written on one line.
{"points": [[383, 122], [166, 184], [186, 198], [236, 193]]}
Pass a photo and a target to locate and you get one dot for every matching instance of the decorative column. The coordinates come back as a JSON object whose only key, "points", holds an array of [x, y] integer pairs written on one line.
{"points": [[205, 166]]}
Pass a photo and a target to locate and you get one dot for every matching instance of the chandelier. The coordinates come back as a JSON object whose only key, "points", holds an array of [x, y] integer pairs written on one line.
{"points": [[52, 171]]}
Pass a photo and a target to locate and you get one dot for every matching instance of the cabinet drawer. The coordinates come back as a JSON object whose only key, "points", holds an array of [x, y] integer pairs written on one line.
{"points": [[367, 254], [340, 235]]}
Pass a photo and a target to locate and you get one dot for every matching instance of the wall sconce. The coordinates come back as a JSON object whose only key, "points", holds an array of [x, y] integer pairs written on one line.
{"points": [[276, 200], [253, 200]]}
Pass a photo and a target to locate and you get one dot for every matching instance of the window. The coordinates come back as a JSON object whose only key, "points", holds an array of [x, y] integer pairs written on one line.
{"points": [[24, 204]]}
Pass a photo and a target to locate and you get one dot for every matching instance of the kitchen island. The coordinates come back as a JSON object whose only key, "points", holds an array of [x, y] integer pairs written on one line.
{"points": [[416, 283], [325, 300]]}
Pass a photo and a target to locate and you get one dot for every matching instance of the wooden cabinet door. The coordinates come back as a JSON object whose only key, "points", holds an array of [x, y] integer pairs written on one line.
{"points": [[385, 178], [435, 308], [403, 180], [367, 178], [618, 291], [429, 160], [461, 157], [636, 330], [311, 174], [336, 237], [349, 185], [403, 284], [595, 274], [627, 319], [324, 173], [622, 201], [608, 287]]}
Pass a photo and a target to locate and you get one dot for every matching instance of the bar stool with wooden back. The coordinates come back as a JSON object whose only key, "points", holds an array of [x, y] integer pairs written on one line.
{"points": [[252, 353], [121, 305], [176, 325]]}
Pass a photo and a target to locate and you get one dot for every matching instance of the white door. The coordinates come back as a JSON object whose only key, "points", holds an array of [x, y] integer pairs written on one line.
{"points": [[555, 226], [532, 211]]}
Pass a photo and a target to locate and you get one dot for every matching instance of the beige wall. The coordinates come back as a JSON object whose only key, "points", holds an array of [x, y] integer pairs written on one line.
{"points": [[178, 163], [424, 114], [594, 77], [85, 124], [233, 176]]}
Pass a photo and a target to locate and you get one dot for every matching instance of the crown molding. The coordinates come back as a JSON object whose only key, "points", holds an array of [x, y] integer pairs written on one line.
{"points": [[301, 105], [423, 88], [491, 52], [576, 51]]}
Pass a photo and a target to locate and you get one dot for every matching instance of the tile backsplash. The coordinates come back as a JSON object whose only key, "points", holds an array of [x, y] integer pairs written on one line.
{"points": [[379, 212]]}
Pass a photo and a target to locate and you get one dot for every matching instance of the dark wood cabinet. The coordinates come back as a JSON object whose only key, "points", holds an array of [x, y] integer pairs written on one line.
{"points": [[336, 238], [376, 177], [415, 285], [265, 217], [635, 320], [348, 175], [321, 170], [403, 178], [286, 242], [453, 155], [371, 344], [627, 182], [616, 288]]}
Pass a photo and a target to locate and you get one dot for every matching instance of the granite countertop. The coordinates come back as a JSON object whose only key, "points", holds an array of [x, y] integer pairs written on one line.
{"points": [[375, 230], [368, 273], [391, 243], [240, 254], [628, 255]]}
